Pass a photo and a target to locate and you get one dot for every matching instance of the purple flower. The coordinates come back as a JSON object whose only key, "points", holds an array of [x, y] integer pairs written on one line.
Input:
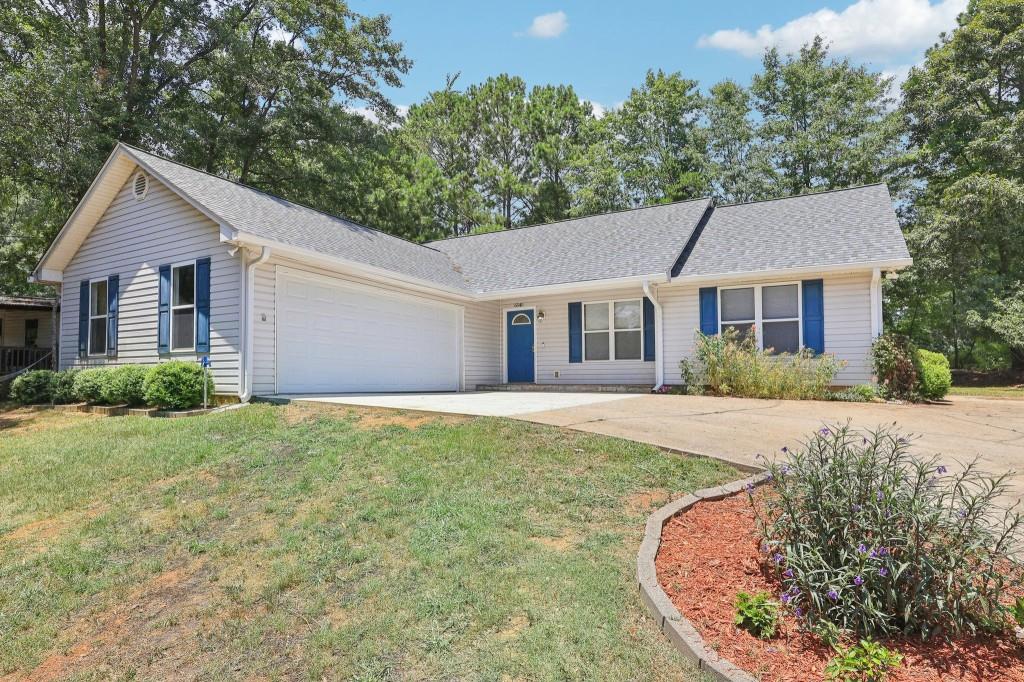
{"points": [[825, 431], [941, 469], [750, 487], [962, 513], [833, 595], [862, 548], [857, 507], [879, 495], [883, 571], [778, 558], [788, 573], [873, 553], [858, 581], [901, 441], [864, 441], [883, 551], [785, 449], [799, 612], [784, 470], [785, 598]]}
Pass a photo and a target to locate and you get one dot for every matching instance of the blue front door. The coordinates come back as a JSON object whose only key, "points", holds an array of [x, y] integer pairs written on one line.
{"points": [[519, 324]]}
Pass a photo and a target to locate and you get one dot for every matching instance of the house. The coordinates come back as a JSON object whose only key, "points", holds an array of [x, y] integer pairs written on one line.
{"points": [[26, 333], [162, 261]]}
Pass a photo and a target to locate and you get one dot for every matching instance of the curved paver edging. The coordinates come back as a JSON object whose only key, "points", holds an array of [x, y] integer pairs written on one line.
{"points": [[673, 624]]}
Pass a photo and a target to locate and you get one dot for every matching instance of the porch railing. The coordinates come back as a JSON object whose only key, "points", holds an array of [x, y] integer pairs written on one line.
{"points": [[13, 358]]}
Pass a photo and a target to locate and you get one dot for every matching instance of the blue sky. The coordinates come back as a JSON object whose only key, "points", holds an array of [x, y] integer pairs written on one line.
{"points": [[604, 47]]}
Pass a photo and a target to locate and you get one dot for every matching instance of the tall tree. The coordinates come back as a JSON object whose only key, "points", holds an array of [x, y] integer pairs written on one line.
{"points": [[556, 119], [825, 123], [966, 119], [656, 142], [737, 162]]}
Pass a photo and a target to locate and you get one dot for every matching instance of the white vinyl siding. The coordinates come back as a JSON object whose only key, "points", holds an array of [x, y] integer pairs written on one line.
{"points": [[847, 305], [12, 327], [133, 239], [552, 341], [481, 325]]}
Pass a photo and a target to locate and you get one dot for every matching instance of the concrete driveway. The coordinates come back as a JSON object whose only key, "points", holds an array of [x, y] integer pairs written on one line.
{"points": [[736, 429]]}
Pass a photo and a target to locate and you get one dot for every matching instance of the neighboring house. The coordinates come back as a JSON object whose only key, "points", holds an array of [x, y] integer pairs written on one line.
{"points": [[26, 333], [162, 261]]}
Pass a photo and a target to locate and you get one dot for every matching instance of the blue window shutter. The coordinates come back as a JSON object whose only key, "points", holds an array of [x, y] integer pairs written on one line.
{"points": [[163, 334], [709, 311], [203, 305], [112, 284], [648, 329], [83, 319], [813, 295], [576, 332]]}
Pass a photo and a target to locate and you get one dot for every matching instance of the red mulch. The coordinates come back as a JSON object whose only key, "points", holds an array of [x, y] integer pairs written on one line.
{"points": [[710, 552]]}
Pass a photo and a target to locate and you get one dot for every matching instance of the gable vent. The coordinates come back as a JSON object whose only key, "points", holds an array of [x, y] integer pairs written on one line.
{"points": [[140, 185]]}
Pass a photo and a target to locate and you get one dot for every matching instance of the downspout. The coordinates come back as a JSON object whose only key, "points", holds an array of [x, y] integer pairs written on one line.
{"points": [[250, 316], [876, 303], [659, 360]]}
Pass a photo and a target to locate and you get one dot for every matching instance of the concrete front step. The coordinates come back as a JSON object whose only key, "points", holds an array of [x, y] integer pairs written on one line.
{"points": [[567, 388]]}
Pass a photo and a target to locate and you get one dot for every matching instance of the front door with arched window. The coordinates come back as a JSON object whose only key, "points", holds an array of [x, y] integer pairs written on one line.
{"points": [[519, 348]]}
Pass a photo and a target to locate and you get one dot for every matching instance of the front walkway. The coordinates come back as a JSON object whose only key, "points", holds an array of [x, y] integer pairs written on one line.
{"points": [[736, 429]]}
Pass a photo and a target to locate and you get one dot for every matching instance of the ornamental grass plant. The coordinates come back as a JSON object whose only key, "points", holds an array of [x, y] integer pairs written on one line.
{"points": [[868, 538]]}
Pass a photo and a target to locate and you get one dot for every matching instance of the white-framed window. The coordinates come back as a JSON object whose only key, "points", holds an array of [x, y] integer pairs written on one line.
{"points": [[613, 330], [183, 306], [98, 317], [770, 311]]}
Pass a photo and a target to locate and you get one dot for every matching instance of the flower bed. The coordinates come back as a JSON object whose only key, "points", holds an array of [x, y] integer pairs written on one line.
{"points": [[710, 553]]}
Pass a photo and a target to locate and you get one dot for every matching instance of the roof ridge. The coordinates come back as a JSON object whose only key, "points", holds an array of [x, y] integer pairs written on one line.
{"points": [[274, 196], [569, 220], [808, 194]]}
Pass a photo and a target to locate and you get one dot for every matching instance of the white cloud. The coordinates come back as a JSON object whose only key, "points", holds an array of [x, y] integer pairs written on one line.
{"points": [[872, 28], [599, 109], [548, 25], [371, 115], [278, 34]]}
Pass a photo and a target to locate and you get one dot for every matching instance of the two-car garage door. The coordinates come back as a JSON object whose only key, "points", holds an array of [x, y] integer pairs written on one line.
{"points": [[338, 336]]}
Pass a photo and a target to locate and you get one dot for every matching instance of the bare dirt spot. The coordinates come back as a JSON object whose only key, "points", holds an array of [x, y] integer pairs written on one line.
{"points": [[514, 627], [557, 543], [39, 534], [366, 418], [648, 499], [31, 419], [156, 629]]}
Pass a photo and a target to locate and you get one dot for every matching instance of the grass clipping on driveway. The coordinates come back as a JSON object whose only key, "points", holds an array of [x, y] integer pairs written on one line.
{"points": [[303, 542]]}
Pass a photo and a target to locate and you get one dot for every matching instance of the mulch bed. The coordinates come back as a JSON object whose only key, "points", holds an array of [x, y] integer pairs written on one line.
{"points": [[710, 552]]}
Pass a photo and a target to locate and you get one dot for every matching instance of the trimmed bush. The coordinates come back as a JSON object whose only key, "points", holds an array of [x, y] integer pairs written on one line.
{"points": [[892, 357], [33, 388], [176, 385], [125, 386], [868, 538], [64, 386], [729, 364], [934, 377], [89, 384]]}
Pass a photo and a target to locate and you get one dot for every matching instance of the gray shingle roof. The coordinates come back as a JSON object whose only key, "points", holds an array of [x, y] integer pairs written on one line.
{"points": [[643, 241], [840, 227], [826, 229], [270, 217]]}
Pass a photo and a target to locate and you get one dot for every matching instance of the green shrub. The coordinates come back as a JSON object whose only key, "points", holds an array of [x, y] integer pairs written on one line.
{"points": [[33, 388], [729, 364], [176, 385], [125, 386], [892, 357], [89, 384], [871, 539], [861, 393], [934, 377], [758, 614], [64, 386], [865, 661]]}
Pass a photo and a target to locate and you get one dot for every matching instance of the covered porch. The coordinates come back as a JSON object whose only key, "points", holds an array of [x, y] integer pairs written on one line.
{"points": [[28, 336]]}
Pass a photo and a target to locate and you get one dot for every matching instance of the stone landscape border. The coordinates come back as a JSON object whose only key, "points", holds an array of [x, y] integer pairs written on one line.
{"points": [[671, 622]]}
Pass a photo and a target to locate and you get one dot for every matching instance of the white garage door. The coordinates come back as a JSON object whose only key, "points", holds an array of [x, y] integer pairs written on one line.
{"points": [[335, 336]]}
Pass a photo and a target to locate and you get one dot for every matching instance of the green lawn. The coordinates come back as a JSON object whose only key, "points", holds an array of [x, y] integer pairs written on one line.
{"points": [[988, 391], [303, 543]]}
